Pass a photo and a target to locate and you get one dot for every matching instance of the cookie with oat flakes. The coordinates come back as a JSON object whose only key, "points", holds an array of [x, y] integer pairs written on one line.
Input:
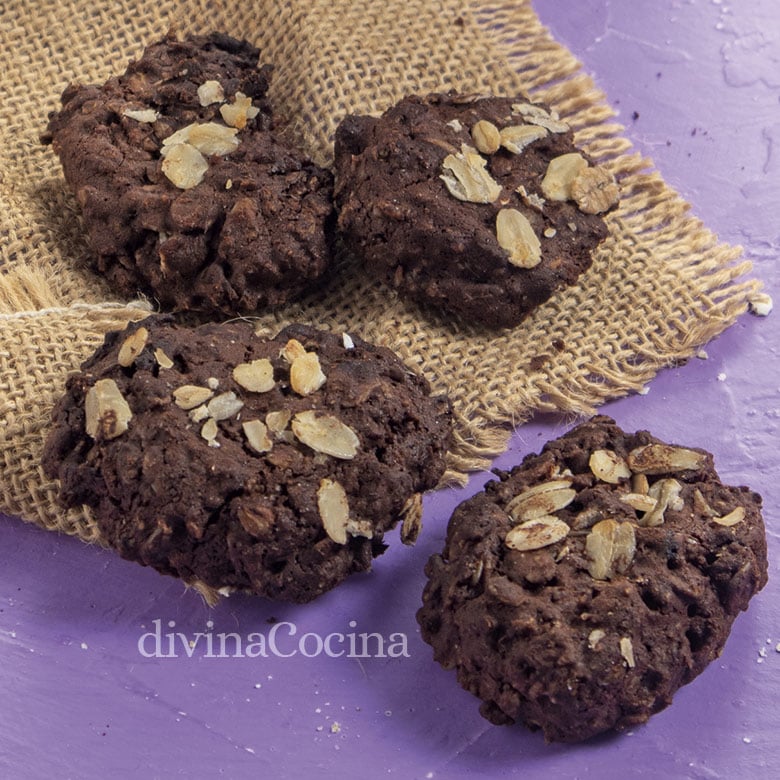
{"points": [[479, 206], [273, 466], [187, 193], [582, 588]]}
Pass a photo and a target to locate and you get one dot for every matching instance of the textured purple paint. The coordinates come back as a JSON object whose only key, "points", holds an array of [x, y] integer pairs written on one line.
{"points": [[696, 85]]}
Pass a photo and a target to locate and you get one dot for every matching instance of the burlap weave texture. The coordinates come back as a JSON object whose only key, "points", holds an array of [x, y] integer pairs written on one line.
{"points": [[660, 286]]}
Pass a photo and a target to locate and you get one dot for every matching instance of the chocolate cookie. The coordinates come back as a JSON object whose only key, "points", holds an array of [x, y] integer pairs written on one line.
{"points": [[579, 591], [187, 195], [480, 206], [272, 466]]}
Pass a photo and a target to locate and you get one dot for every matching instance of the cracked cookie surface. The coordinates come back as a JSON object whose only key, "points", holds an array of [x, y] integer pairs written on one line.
{"points": [[186, 192], [581, 589], [481, 207], [271, 466]]}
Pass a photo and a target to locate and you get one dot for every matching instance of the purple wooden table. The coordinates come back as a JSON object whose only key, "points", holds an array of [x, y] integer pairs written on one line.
{"points": [[99, 673]]}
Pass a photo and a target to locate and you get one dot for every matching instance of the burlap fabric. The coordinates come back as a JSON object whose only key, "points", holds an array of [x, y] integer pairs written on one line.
{"points": [[660, 286]]}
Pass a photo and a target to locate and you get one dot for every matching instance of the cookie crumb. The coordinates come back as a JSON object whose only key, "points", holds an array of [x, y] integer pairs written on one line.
{"points": [[760, 304]]}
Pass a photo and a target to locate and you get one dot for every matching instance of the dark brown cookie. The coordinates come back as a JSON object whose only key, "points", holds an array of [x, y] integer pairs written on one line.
{"points": [[581, 590], [238, 462], [481, 207], [186, 193]]}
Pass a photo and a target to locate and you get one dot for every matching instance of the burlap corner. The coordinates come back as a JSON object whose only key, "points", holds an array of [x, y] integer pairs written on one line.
{"points": [[660, 286]]}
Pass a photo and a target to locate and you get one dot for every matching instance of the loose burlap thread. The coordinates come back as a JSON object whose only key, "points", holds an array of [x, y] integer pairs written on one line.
{"points": [[660, 286]]}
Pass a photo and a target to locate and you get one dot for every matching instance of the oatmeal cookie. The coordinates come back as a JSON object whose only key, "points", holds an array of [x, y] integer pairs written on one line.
{"points": [[186, 192], [273, 466], [482, 207], [581, 589]]}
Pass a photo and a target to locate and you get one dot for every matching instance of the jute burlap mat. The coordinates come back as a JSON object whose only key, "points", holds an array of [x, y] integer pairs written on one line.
{"points": [[660, 286]]}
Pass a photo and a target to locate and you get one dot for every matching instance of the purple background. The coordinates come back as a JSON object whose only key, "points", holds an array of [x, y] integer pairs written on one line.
{"points": [[79, 700]]}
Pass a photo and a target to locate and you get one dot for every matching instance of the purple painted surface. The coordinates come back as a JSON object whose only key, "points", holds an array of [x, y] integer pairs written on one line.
{"points": [[697, 84]]}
